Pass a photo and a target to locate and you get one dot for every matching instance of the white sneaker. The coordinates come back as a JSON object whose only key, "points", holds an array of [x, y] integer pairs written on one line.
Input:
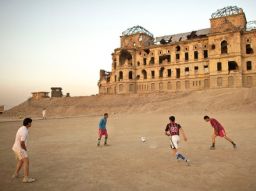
{"points": [[28, 180], [188, 162], [15, 176]]}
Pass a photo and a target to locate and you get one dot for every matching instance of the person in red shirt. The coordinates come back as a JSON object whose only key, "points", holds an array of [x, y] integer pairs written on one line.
{"points": [[173, 129], [218, 130]]}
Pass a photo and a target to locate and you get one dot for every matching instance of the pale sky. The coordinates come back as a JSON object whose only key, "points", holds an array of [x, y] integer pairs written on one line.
{"points": [[65, 43]]}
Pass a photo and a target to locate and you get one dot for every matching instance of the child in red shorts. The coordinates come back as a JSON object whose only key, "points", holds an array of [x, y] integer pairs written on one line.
{"points": [[103, 129], [218, 131]]}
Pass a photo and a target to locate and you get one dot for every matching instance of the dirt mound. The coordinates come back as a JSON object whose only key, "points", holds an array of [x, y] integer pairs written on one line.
{"points": [[242, 99]]}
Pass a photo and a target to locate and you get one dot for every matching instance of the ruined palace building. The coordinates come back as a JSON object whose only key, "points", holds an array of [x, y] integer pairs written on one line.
{"points": [[222, 56]]}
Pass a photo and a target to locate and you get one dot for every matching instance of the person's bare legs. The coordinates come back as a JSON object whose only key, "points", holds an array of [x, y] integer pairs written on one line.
{"points": [[213, 141], [98, 143], [18, 167], [26, 167], [232, 142], [106, 138]]}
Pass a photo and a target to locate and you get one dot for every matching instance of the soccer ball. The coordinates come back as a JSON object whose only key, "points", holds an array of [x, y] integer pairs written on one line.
{"points": [[143, 139]]}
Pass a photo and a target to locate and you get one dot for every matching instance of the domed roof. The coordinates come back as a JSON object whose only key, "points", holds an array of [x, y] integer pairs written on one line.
{"points": [[227, 11], [135, 30]]}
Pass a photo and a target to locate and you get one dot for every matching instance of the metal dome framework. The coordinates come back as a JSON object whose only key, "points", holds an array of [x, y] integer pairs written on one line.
{"points": [[251, 25], [227, 11], [135, 30]]}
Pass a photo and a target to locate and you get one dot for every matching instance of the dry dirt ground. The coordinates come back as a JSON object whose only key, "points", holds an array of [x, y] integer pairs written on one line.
{"points": [[64, 155]]}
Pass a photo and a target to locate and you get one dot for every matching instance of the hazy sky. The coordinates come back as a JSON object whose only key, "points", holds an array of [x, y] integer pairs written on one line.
{"points": [[65, 43]]}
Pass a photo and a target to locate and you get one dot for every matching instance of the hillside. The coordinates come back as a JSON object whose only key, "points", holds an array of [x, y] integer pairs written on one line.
{"points": [[218, 100]]}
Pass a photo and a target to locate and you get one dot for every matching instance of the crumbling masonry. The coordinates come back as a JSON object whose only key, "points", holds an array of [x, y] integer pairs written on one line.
{"points": [[217, 57]]}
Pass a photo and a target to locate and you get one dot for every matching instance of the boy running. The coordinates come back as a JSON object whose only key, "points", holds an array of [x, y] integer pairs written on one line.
{"points": [[218, 130], [20, 150], [173, 129], [103, 129]]}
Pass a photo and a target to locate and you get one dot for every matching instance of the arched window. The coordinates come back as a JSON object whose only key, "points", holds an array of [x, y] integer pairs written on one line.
{"points": [[177, 48], [224, 47], [130, 75], [161, 72], [144, 73], [120, 75]]}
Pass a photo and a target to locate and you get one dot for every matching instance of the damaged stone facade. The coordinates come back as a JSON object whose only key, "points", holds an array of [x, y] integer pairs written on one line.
{"points": [[221, 56]]}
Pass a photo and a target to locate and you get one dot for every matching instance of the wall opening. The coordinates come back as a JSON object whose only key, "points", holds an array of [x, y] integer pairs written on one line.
{"points": [[177, 57], [161, 72], [232, 66], [224, 47], [196, 69], [186, 56], [195, 55], [169, 71], [164, 57], [124, 56], [205, 53], [177, 72], [152, 60], [206, 69], [219, 66], [249, 65], [144, 61], [120, 75], [144, 74], [249, 49], [130, 75], [153, 74], [186, 71]]}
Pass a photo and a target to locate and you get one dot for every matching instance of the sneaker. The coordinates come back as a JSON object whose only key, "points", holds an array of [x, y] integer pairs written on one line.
{"points": [[178, 159], [15, 176], [98, 144], [212, 148], [28, 180], [188, 162], [234, 146], [105, 144]]}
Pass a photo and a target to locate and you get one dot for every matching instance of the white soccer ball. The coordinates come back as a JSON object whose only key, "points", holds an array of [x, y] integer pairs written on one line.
{"points": [[143, 139]]}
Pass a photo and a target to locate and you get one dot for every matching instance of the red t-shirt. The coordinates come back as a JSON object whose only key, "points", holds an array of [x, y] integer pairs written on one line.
{"points": [[216, 125], [173, 128]]}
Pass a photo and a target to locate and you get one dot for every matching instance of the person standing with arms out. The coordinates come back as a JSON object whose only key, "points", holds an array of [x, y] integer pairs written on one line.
{"points": [[218, 130], [103, 129], [44, 113], [173, 129], [21, 152]]}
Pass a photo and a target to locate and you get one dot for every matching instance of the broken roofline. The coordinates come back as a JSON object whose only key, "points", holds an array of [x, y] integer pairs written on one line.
{"points": [[183, 36]]}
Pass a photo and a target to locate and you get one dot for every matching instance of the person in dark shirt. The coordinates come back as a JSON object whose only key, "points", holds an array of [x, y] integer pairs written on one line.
{"points": [[173, 129], [218, 130]]}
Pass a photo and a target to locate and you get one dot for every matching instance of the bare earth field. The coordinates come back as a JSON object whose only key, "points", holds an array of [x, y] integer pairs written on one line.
{"points": [[64, 155]]}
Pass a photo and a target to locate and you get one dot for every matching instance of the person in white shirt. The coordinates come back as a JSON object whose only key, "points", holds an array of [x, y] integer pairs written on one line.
{"points": [[44, 113], [20, 150]]}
